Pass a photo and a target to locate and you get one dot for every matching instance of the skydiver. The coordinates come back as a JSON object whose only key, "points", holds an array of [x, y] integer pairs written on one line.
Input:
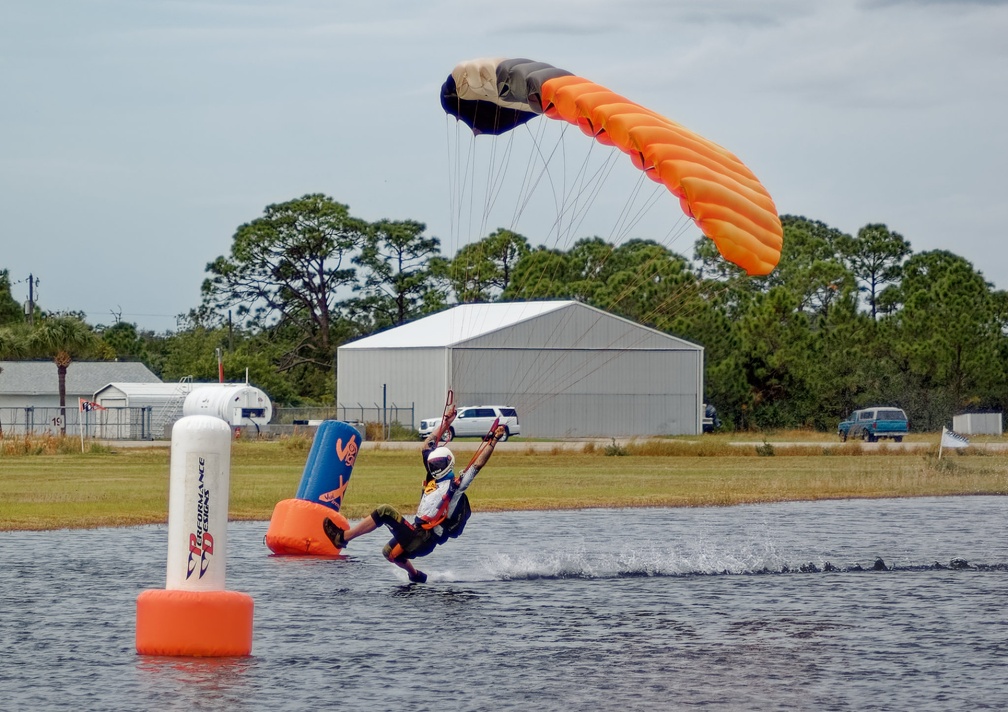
{"points": [[443, 509]]}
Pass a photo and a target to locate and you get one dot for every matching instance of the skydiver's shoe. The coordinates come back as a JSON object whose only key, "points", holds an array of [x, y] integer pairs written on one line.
{"points": [[334, 533], [418, 577]]}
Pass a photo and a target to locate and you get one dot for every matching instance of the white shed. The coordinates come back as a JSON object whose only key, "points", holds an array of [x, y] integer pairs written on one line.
{"points": [[170, 401], [164, 400], [571, 370], [977, 423]]}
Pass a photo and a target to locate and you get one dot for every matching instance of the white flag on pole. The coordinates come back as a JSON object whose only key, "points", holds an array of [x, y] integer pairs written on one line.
{"points": [[952, 439]]}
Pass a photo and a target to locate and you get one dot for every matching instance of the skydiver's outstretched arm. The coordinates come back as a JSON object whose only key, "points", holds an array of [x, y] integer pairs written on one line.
{"points": [[435, 437], [464, 478]]}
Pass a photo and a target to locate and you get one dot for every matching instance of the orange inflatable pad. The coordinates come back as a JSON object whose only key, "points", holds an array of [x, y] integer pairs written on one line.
{"points": [[295, 529], [194, 623]]}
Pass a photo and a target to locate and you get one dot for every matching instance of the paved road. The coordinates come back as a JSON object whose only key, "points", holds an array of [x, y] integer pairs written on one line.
{"points": [[522, 445]]}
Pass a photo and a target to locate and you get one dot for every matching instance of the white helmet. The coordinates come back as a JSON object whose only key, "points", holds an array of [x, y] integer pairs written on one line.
{"points": [[440, 461]]}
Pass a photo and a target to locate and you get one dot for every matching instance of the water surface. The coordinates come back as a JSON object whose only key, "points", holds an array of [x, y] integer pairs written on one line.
{"points": [[766, 606]]}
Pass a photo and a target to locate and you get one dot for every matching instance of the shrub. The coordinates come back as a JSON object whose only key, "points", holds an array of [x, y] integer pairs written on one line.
{"points": [[615, 449]]}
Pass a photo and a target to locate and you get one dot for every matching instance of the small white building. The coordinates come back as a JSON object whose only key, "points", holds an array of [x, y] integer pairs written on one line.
{"points": [[163, 399], [240, 404], [977, 424], [571, 370]]}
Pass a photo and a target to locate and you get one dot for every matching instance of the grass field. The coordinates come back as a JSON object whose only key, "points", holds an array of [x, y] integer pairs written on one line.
{"points": [[52, 485]]}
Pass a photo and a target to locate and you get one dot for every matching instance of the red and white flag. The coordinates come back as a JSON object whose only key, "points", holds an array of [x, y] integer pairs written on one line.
{"points": [[86, 405]]}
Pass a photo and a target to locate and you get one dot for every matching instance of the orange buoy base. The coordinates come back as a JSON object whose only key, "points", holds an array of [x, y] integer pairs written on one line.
{"points": [[194, 623], [295, 529]]}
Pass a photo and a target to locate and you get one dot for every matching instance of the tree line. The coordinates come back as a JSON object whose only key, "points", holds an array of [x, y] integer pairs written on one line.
{"points": [[844, 321]]}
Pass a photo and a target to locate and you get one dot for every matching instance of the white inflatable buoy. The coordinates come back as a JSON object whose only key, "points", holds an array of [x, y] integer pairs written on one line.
{"points": [[194, 615]]}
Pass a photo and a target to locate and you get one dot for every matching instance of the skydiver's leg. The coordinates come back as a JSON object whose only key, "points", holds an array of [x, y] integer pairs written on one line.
{"points": [[364, 526], [383, 515], [394, 552]]}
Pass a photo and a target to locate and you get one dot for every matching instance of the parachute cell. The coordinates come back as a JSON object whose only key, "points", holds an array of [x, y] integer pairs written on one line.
{"points": [[714, 187]]}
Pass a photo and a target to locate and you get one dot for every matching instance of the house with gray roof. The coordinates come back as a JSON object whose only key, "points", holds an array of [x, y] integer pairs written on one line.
{"points": [[29, 391]]}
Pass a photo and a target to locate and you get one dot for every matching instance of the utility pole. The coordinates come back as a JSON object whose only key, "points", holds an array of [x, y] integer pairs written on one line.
{"points": [[31, 300]]}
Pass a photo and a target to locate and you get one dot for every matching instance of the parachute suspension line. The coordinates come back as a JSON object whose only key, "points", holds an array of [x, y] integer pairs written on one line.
{"points": [[457, 186], [632, 213], [622, 229], [476, 258], [545, 372], [474, 261], [561, 204], [626, 222], [598, 182], [552, 380], [454, 209], [463, 216], [460, 184], [548, 380], [578, 208], [537, 143], [571, 376], [494, 178], [531, 377], [531, 177], [545, 170], [542, 378]]}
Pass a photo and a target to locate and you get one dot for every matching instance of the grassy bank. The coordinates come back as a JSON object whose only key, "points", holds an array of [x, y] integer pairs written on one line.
{"points": [[51, 489]]}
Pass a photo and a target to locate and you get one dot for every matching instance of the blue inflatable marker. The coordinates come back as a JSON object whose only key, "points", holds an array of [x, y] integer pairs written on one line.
{"points": [[330, 463], [296, 525]]}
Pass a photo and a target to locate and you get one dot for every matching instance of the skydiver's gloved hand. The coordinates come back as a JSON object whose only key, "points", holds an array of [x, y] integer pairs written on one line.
{"points": [[496, 435]]}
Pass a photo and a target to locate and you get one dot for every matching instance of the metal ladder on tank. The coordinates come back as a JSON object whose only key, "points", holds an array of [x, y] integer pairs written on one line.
{"points": [[172, 409]]}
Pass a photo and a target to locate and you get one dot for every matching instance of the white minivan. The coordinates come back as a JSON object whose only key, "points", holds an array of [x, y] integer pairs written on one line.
{"points": [[475, 421]]}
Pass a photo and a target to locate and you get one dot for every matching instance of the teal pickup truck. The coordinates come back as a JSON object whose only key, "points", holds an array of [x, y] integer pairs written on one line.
{"points": [[871, 424]]}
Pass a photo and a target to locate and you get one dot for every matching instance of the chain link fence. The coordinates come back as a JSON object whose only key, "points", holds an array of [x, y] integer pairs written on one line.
{"points": [[105, 424], [137, 423], [390, 422], [357, 413]]}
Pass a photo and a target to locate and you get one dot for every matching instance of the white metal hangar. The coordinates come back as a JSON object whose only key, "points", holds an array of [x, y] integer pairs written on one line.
{"points": [[570, 370]]}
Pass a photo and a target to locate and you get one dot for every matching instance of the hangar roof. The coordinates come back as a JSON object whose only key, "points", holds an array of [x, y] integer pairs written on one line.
{"points": [[470, 324], [456, 325]]}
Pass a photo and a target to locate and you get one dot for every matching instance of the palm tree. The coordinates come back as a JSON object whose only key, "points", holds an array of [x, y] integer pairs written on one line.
{"points": [[61, 338]]}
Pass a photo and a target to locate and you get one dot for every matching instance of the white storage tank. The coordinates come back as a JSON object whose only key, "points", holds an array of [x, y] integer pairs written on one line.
{"points": [[239, 404]]}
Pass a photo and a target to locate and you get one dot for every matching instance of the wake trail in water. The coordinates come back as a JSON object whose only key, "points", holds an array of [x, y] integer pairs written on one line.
{"points": [[759, 561]]}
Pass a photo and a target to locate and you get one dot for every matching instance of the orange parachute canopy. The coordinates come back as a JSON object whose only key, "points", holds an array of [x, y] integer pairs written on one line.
{"points": [[714, 187]]}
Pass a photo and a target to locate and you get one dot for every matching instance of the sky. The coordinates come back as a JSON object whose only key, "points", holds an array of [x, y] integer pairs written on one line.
{"points": [[137, 136]]}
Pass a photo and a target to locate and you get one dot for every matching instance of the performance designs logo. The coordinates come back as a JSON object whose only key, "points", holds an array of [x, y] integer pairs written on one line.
{"points": [[347, 454], [201, 542]]}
